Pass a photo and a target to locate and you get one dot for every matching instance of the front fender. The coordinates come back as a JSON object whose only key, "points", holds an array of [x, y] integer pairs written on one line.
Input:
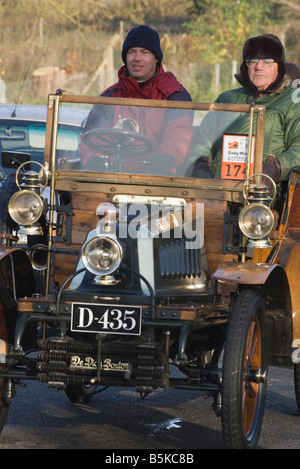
{"points": [[16, 281], [16, 272], [244, 273], [273, 283], [271, 279]]}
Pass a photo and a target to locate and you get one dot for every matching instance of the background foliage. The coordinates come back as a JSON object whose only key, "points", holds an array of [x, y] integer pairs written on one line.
{"points": [[73, 36]]}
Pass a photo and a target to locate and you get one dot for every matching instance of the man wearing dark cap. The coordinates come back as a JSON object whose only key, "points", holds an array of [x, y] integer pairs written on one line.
{"points": [[143, 76], [264, 81]]}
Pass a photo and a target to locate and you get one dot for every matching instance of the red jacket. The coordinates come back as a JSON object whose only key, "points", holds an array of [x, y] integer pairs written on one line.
{"points": [[161, 86], [174, 126]]}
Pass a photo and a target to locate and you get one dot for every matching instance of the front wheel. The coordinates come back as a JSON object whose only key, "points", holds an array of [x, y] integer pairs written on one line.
{"points": [[297, 383], [7, 188], [245, 367], [82, 393], [4, 406]]}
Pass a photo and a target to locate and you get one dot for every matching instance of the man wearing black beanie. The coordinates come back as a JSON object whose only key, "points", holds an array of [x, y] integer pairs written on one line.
{"points": [[142, 44], [264, 81], [145, 37], [143, 76]]}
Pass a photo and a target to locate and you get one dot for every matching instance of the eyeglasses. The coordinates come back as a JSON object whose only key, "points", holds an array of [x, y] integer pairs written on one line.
{"points": [[266, 63]]}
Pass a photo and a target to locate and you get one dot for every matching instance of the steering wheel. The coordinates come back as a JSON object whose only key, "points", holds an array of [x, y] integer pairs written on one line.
{"points": [[117, 142]]}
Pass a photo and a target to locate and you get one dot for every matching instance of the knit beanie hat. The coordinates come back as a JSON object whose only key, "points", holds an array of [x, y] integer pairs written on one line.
{"points": [[263, 47], [145, 37]]}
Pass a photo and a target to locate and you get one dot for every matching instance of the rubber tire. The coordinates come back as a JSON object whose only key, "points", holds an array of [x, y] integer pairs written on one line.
{"points": [[297, 383], [7, 188], [4, 406], [248, 310], [80, 394]]}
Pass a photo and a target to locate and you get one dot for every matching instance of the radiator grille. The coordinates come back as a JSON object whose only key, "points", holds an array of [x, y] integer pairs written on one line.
{"points": [[178, 261]]}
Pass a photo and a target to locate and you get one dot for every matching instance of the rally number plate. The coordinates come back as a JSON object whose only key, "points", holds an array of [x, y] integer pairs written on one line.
{"points": [[106, 318]]}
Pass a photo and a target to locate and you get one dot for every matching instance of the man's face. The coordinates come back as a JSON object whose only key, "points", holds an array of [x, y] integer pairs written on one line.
{"points": [[262, 76], [141, 64]]}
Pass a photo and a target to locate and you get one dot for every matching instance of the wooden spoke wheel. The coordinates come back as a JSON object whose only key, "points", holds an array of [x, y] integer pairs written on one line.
{"points": [[245, 372]]}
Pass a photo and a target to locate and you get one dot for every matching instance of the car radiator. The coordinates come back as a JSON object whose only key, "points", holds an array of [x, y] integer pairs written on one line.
{"points": [[64, 362]]}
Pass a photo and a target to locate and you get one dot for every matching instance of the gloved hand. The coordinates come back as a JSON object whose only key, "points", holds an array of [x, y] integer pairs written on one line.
{"points": [[272, 168], [204, 167]]}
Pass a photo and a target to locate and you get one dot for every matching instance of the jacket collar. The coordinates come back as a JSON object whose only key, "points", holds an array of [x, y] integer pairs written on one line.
{"points": [[160, 86]]}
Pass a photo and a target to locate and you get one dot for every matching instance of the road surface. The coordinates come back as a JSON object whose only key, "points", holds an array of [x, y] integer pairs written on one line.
{"points": [[117, 419]]}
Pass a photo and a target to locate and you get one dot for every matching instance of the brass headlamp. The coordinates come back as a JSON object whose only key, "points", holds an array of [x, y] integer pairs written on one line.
{"points": [[26, 206], [256, 219]]}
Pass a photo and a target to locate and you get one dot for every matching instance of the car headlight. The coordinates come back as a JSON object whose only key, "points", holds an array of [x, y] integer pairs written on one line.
{"points": [[102, 255], [256, 221], [25, 207]]}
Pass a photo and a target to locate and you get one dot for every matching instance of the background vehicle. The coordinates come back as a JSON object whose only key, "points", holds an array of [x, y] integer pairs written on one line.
{"points": [[141, 269], [23, 128]]}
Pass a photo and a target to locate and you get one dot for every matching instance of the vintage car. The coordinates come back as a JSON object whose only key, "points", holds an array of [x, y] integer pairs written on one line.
{"points": [[133, 265]]}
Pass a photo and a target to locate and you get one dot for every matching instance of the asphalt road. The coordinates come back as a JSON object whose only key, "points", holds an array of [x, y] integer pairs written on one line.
{"points": [[117, 419]]}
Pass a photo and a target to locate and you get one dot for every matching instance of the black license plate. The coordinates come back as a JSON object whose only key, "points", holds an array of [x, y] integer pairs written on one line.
{"points": [[106, 318]]}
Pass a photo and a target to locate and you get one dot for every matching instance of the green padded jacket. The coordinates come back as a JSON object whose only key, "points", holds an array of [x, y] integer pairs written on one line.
{"points": [[282, 127]]}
